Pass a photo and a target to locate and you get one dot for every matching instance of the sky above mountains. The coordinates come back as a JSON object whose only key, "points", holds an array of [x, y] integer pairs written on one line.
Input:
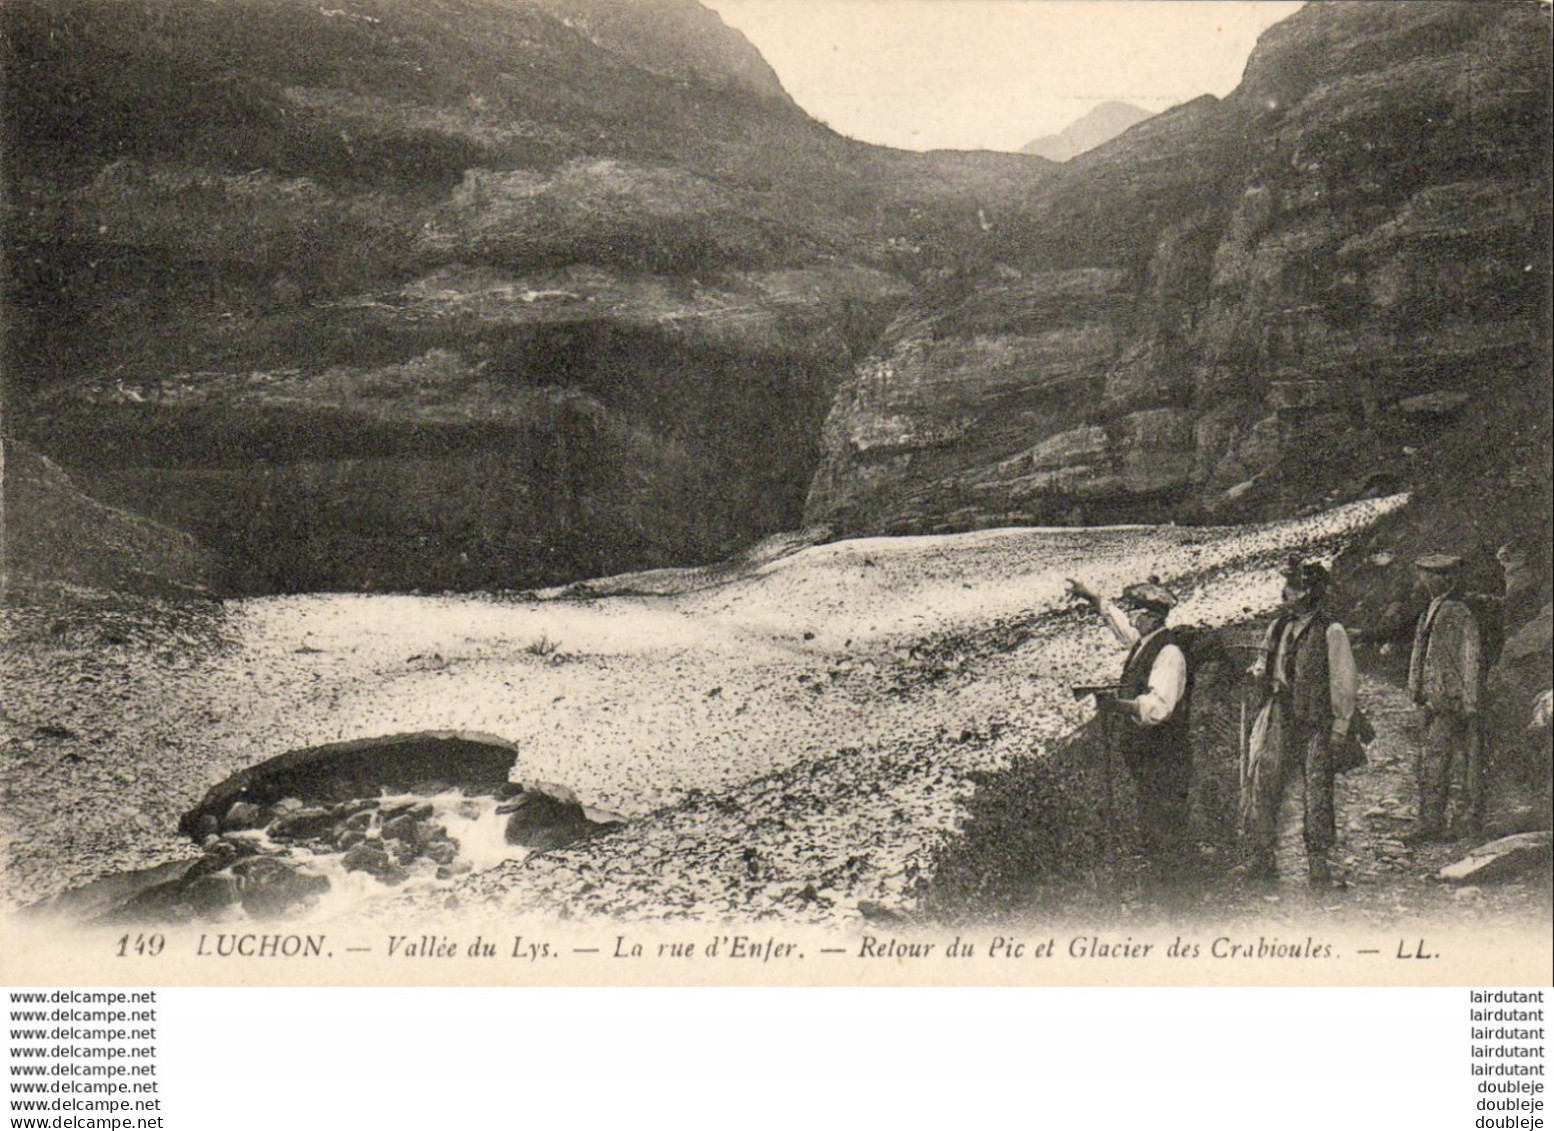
{"points": [[993, 74]]}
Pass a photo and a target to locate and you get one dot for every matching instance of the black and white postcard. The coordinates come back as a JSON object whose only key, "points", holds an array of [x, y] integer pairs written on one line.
{"points": [[803, 492]]}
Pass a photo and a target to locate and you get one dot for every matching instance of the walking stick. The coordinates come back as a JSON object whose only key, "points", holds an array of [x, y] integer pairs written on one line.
{"points": [[1242, 750], [1106, 774], [1109, 838], [1244, 765]]}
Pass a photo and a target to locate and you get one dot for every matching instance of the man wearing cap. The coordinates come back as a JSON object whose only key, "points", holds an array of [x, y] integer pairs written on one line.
{"points": [[1444, 674], [1308, 674], [1147, 718]]}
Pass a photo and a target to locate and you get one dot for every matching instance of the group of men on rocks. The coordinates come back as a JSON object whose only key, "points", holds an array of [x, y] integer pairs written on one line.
{"points": [[1308, 726]]}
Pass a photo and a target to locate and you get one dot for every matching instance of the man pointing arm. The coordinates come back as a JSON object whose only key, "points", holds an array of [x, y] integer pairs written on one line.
{"points": [[1147, 721]]}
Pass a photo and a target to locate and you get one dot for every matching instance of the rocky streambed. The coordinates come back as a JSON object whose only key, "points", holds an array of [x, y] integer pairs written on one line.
{"points": [[792, 740], [320, 830]]}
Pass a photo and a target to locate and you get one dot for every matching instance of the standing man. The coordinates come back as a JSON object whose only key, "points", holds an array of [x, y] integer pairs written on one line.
{"points": [[1309, 676], [1499, 615], [1147, 719], [1444, 674], [1523, 597]]}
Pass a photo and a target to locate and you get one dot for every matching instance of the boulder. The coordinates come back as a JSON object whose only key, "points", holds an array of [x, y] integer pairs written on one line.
{"points": [[235, 847], [201, 890], [242, 816], [271, 887], [427, 832], [1500, 859], [560, 793], [101, 896], [415, 810], [360, 819], [208, 895], [304, 824], [402, 827], [541, 821], [351, 830], [219, 854], [1517, 756], [164, 903], [373, 857], [344, 771], [348, 809], [369, 856]]}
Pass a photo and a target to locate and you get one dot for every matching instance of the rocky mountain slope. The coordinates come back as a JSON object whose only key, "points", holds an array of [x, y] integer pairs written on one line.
{"points": [[1332, 283], [481, 294], [443, 295], [52, 533], [1095, 127]]}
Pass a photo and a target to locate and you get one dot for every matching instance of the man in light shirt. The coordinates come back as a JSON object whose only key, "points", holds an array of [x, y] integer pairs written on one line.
{"points": [[1445, 674], [1309, 674], [1147, 719]]}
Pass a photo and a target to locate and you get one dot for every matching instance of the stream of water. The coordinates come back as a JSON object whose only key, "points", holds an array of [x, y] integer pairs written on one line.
{"points": [[472, 822]]}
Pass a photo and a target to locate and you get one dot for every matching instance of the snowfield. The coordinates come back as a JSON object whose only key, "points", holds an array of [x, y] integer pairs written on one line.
{"points": [[785, 743]]}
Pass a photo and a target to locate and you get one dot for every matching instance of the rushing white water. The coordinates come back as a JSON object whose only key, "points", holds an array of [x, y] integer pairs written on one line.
{"points": [[473, 822]]}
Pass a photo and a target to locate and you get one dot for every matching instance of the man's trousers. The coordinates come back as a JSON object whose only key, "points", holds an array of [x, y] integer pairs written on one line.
{"points": [[1302, 752], [1451, 746]]}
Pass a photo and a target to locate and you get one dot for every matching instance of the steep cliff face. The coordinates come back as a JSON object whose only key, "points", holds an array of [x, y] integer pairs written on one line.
{"points": [[1234, 309], [540, 428], [443, 295], [482, 293]]}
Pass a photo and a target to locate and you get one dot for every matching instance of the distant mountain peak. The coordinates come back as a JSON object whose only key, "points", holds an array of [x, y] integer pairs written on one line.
{"points": [[1096, 127]]}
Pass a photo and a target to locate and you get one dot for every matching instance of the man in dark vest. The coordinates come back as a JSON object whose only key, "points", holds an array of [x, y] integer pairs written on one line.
{"points": [[1309, 679], [1147, 719]]}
